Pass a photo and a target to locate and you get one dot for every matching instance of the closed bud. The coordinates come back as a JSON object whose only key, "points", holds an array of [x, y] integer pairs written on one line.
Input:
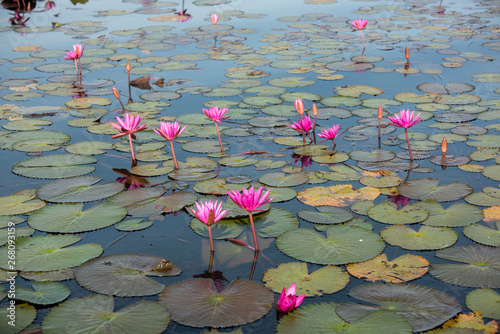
{"points": [[299, 106], [315, 110], [115, 93], [407, 54], [128, 67], [444, 145], [380, 112]]}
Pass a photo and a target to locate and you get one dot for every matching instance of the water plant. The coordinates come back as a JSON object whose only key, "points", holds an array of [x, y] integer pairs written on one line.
{"points": [[405, 120], [215, 19], [128, 127], [303, 126], [170, 131], [331, 134], [216, 114], [289, 300], [359, 24], [75, 55], [209, 213]]}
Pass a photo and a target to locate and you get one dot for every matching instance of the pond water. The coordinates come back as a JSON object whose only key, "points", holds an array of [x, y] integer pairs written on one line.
{"points": [[262, 57]]}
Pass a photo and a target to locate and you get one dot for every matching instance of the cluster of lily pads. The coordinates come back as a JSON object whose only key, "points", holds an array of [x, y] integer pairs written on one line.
{"points": [[345, 212]]}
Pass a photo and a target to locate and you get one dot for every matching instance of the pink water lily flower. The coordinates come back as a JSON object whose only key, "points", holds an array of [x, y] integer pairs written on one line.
{"points": [[76, 54], [331, 134], [209, 213], [304, 125], [360, 25], [128, 127], [288, 300], [251, 200], [216, 114], [405, 120], [170, 131], [215, 19], [299, 106], [50, 5]]}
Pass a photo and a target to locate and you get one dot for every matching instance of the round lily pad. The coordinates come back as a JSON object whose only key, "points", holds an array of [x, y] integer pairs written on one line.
{"points": [[25, 314], [43, 293], [133, 224], [125, 275], [19, 204], [483, 234], [322, 318], [204, 146], [426, 238], [198, 303], [327, 215], [328, 279], [280, 179], [78, 189], [95, 312], [480, 268], [424, 308], [54, 166], [427, 188], [49, 252], [71, 218], [342, 244], [486, 301], [458, 214], [404, 268], [336, 195], [388, 213]]}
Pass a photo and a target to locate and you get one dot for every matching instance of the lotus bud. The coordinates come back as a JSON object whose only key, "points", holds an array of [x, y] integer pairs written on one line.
{"points": [[115, 93], [299, 106], [315, 111], [444, 145], [380, 112], [407, 54], [128, 67]]}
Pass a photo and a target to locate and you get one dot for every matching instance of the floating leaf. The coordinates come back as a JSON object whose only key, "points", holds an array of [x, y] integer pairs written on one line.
{"points": [[322, 318], [71, 218], [336, 195], [422, 307], [483, 234], [388, 213], [328, 279], [198, 303], [402, 269], [481, 266], [55, 166], [96, 312], [376, 155], [327, 215], [458, 214], [343, 244], [78, 189], [427, 188], [49, 252], [124, 275], [217, 186], [134, 224], [43, 293], [486, 301], [25, 314], [426, 238], [19, 204], [280, 179], [203, 146]]}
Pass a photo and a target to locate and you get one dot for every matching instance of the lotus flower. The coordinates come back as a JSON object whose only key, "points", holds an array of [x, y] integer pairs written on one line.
{"points": [[215, 114], [360, 25], [50, 5], [304, 125], [331, 133], [209, 213], [170, 131], [405, 120], [77, 53], [249, 200], [288, 300], [215, 19], [128, 127]]}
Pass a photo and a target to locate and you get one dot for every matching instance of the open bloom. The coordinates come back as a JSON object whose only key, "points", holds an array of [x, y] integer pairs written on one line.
{"points": [[128, 126], [250, 200], [50, 5], [204, 209], [215, 114], [359, 24], [330, 133], [303, 125], [405, 119], [77, 52], [170, 130], [288, 300]]}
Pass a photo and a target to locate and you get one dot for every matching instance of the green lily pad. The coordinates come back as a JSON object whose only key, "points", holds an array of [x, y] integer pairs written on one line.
{"points": [[280, 179], [198, 303], [192, 174], [20, 232], [427, 188], [458, 214], [480, 268], [43, 293], [315, 150], [19, 204], [150, 169], [328, 279], [343, 244], [8, 140], [484, 141], [238, 161], [25, 314], [204, 146], [424, 308], [381, 181], [340, 173], [335, 101], [136, 197], [426, 238], [54, 166], [486, 301], [49, 252], [492, 172], [322, 318], [133, 224], [217, 186], [125, 275], [336, 195], [88, 147], [388, 213], [71, 218], [26, 124], [483, 234], [260, 101], [52, 275], [376, 155], [291, 81], [78, 189], [96, 312], [327, 215]]}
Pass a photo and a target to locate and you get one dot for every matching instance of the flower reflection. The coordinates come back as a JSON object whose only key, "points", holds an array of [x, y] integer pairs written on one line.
{"points": [[129, 180], [305, 160], [400, 200]]}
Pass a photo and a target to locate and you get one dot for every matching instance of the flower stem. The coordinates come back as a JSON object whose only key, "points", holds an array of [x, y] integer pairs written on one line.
{"points": [[76, 68], [379, 146], [255, 242], [173, 155], [210, 237], [131, 146], [362, 39], [408, 142], [218, 135]]}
